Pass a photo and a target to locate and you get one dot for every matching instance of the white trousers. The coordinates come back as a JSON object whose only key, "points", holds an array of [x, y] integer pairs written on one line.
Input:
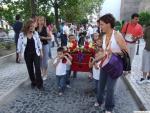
{"points": [[131, 50]]}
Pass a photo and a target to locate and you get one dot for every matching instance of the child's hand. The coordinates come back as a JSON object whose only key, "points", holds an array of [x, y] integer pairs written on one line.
{"points": [[58, 59], [65, 57], [66, 54], [91, 59]]}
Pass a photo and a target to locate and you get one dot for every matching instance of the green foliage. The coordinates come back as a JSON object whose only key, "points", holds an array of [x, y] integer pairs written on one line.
{"points": [[118, 26], [145, 18], [69, 10], [50, 18], [21, 7], [77, 10], [84, 21], [8, 45]]}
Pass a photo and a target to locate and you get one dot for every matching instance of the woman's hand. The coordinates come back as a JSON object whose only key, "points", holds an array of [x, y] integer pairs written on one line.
{"points": [[41, 54], [19, 57], [108, 52], [96, 66]]}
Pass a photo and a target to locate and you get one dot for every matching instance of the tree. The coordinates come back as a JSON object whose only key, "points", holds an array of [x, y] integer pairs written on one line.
{"points": [[22, 7], [145, 18], [70, 10], [56, 4], [77, 10]]}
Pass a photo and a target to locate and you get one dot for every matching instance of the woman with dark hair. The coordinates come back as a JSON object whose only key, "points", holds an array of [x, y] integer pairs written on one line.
{"points": [[113, 42], [29, 46]]}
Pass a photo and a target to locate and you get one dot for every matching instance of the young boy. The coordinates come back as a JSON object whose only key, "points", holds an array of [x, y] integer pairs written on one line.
{"points": [[95, 70], [60, 63], [68, 71], [97, 41], [72, 39]]}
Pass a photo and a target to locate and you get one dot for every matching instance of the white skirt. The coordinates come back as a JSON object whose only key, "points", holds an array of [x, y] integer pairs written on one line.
{"points": [[146, 61]]}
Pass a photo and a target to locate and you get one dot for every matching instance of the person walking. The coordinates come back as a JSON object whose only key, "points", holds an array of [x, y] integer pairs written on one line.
{"points": [[17, 28], [29, 46], [146, 57], [132, 31], [45, 36], [60, 62], [113, 42], [64, 37]]}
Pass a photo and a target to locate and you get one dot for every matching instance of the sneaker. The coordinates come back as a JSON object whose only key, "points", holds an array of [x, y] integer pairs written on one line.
{"points": [[60, 93], [68, 86], [142, 80], [33, 85], [96, 104], [41, 89], [44, 77]]}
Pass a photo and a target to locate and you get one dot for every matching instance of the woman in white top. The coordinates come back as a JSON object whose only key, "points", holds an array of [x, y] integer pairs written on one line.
{"points": [[113, 42], [29, 46]]}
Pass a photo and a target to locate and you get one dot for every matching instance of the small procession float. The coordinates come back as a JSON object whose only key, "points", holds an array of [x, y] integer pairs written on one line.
{"points": [[81, 55]]}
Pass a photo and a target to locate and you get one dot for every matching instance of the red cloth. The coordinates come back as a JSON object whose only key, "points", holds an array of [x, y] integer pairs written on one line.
{"points": [[82, 66]]}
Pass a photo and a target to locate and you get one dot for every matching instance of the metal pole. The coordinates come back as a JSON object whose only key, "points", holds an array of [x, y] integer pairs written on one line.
{"points": [[138, 44]]}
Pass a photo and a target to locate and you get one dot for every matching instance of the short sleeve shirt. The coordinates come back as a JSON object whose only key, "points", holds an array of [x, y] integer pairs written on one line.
{"points": [[135, 29]]}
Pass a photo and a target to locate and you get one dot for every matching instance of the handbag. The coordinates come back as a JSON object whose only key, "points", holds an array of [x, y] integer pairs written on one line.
{"points": [[114, 67], [126, 61]]}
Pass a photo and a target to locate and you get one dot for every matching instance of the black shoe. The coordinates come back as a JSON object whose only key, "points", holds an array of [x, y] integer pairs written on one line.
{"points": [[41, 88], [148, 78], [17, 61], [33, 85]]}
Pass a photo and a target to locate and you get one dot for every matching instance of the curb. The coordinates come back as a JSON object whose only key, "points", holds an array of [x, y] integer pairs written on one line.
{"points": [[136, 95], [7, 58]]}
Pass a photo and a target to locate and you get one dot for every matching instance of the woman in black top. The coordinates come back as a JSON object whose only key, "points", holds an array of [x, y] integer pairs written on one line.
{"points": [[30, 46], [45, 37]]}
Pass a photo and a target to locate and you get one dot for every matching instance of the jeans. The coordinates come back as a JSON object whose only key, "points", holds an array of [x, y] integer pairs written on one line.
{"points": [[74, 74], [61, 82], [96, 86], [68, 77], [50, 53], [44, 60], [55, 36], [110, 84]]}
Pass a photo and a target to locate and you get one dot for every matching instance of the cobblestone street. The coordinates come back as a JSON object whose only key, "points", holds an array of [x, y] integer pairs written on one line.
{"points": [[75, 100], [11, 74]]}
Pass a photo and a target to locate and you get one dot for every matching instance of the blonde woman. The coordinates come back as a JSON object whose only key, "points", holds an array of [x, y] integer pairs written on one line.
{"points": [[45, 36], [29, 45]]}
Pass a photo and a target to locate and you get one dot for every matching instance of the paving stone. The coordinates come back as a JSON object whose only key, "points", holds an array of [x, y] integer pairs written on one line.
{"points": [[142, 89], [75, 100]]}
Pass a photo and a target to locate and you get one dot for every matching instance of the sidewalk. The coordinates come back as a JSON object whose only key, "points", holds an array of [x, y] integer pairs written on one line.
{"points": [[140, 91], [12, 74]]}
